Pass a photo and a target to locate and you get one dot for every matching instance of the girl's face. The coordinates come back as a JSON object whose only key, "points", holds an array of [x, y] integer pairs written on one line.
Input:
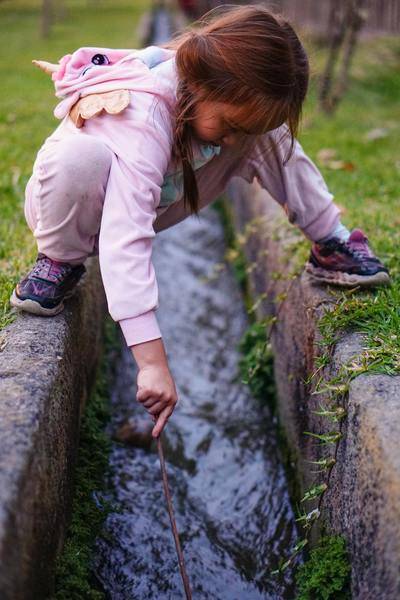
{"points": [[218, 123]]}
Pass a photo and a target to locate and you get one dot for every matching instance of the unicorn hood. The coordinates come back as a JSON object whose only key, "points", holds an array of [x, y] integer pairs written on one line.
{"points": [[95, 70]]}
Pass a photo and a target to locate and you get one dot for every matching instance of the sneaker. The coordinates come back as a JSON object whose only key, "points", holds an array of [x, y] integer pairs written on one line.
{"points": [[45, 287], [348, 264]]}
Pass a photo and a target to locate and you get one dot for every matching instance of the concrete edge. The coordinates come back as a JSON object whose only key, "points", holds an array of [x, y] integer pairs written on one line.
{"points": [[363, 500], [47, 367]]}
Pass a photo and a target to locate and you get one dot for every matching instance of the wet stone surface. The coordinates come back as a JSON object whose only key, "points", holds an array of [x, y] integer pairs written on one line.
{"points": [[228, 486]]}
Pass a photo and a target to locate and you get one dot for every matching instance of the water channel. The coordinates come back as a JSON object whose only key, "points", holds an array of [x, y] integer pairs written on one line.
{"points": [[229, 490]]}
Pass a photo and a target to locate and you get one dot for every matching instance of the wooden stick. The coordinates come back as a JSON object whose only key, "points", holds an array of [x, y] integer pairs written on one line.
{"points": [[167, 493]]}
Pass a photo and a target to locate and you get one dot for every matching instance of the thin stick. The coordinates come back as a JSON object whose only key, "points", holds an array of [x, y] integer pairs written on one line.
{"points": [[167, 493]]}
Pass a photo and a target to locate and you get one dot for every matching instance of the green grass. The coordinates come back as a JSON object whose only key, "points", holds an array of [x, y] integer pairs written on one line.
{"points": [[370, 193], [27, 103]]}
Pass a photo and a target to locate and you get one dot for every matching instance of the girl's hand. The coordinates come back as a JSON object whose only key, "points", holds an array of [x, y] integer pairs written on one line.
{"points": [[157, 393]]}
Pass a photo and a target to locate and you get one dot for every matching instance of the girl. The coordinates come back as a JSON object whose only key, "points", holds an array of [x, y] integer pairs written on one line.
{"points": [[149, 137]]}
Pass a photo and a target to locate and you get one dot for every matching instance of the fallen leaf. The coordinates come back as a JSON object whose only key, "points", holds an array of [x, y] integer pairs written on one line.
{"points": [[326, 154], [349, 166], [340, 165], [343, 209], [376, 134]]}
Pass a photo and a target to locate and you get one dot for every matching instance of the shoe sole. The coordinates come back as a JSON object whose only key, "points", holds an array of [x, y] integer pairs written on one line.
{"points": [[343, 279], [35, 308]]}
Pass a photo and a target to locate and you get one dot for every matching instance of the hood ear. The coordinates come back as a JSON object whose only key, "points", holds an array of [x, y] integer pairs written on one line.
{"points": [[47, 67]]}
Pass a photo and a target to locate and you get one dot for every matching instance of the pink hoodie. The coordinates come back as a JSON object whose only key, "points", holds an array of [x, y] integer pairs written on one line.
{"points": [[140, 198], [141, 139]]}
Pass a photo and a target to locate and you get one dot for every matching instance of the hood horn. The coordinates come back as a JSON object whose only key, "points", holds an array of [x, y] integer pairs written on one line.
{"points": [[47, 67]]}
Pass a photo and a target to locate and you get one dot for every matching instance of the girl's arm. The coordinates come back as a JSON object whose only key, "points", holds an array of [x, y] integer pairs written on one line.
{"points": [[140, 141]]}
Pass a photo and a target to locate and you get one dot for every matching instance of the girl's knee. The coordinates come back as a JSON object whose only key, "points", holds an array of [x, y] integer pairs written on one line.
{"points": [[73, 169], [83, 159]]}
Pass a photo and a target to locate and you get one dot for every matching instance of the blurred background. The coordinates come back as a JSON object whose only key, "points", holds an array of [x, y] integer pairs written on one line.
{"points": [[351, 119]]}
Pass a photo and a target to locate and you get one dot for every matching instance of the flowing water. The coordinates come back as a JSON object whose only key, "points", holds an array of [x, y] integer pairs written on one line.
{"points": [[228, 485]]}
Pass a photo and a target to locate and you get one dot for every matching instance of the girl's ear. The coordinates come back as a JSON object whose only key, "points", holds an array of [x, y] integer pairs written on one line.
{"points": [[47, 67]]}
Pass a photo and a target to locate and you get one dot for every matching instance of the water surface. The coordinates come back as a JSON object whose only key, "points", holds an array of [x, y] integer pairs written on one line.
{"points": [[228, 485]]}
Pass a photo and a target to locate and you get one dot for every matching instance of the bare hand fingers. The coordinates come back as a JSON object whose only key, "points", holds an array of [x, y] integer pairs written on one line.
{"points": [[145, 395], [150, 402], [161, 421], [156, 408]]}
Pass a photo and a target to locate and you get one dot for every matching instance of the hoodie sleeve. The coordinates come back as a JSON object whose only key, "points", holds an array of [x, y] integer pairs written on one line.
{"points": [[140, 139]]}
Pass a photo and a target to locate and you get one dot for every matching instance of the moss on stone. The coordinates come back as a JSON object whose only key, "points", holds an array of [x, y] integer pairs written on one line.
{"points": [[73, 574], [326, 573], [256, 365], [238, 259]]}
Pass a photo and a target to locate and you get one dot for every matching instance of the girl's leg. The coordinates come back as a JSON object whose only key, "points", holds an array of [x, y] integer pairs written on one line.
{"points": [[336, 256], [65, 195], [63, 208], [297, 185]]}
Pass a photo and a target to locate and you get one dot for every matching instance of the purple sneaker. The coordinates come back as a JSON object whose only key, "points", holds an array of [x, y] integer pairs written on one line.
{"points": [[347, 264], [45, 287]]}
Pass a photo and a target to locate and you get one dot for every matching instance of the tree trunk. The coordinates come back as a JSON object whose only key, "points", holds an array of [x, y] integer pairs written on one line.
{"points": [[345, 21], [336, 32], [356, 17], [47, 17]]}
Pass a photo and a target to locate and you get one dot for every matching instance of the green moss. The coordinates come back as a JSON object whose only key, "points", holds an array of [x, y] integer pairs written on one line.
{"points": [[256, 365], [73, 575], [326, 574], [236, 258]]}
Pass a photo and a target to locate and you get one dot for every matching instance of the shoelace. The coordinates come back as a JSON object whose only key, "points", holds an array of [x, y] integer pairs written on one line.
{"points": [[355, 249], [53, 269], [361, 250]]}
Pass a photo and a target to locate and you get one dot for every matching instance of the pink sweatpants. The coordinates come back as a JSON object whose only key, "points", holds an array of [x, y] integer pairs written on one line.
{"points": [[65, 195]]}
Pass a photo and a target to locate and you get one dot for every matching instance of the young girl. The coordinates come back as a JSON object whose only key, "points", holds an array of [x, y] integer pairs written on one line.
{"points": [[149, 137]]}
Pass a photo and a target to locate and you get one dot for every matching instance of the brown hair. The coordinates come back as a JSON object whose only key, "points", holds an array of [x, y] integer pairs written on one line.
{"points": [[243, 55]]}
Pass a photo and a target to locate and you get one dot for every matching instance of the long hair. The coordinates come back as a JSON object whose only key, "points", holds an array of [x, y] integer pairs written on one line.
{"points": [[245, 56]]}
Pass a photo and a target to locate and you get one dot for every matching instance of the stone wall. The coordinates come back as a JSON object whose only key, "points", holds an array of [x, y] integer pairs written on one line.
{"points": [[47, 366]]}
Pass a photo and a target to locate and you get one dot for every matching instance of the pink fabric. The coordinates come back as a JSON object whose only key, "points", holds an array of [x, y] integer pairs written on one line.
{"points": [[78, 76], [99, 186]]}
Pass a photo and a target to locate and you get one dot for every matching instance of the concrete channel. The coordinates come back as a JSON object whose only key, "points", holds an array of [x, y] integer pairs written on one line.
{"points": [[47, 368], [228, 484]]}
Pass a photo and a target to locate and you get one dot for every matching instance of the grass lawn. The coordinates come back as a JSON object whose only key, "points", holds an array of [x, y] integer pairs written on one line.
{"points": [[364, 133], [27, 102]]}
